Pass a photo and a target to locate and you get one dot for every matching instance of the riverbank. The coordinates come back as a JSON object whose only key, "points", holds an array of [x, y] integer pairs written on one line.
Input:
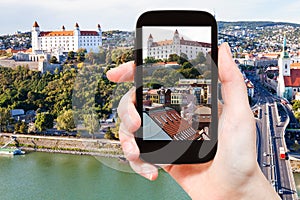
{"points": [[295, 165], [66, 145]]}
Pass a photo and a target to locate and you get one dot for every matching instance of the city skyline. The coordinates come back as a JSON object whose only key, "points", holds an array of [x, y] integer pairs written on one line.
{"points": [[53, 14]]}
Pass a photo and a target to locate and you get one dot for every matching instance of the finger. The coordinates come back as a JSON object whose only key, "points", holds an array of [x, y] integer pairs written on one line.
{"points": [[129, 146], [123, 73], [144, 169], [234, 91], [128, 113]]}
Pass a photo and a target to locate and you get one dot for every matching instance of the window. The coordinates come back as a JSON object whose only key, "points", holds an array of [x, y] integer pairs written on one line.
{"points": [[285, 66]]}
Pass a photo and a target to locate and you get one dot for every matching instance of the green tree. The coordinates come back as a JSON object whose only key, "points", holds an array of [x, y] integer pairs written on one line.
{"points": [[81, 54], [53, 60], [91, 122], [4, 118], [71, 55], [150, 60], [187, 65], [200, 58], [43, 121], [173, 58], [296, 105], [65, 121], [23, 128], [182, 58], [109, 134]]}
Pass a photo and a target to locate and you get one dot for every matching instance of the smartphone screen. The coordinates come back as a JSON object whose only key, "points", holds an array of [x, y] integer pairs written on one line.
{"points": [[176, 86], [176, 83]]}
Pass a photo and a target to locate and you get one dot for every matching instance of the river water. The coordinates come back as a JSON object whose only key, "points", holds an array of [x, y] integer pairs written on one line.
{"points": [[43, 176], [297, 181]]}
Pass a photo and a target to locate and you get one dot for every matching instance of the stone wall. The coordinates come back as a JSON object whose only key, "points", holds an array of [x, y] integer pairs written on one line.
{"points": [[77, 146], [13, 63]]}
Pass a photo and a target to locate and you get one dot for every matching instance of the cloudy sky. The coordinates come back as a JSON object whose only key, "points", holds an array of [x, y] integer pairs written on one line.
{"points": [[122, 14]]}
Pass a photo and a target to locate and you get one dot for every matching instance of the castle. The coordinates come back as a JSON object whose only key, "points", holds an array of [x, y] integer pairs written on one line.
{"points": [[64, 40], [162, 49]]}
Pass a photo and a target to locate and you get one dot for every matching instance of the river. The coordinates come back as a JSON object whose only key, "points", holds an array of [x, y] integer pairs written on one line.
{"points": [[37, 176], [297, 181]]}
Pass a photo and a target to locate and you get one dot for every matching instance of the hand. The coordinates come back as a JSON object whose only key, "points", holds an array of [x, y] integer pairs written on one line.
{"points": [[234, 172]]}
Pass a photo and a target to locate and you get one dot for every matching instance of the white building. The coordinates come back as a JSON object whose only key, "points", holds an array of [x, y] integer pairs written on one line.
{"points": [[289, 76], [65, 40], [162, 49]]}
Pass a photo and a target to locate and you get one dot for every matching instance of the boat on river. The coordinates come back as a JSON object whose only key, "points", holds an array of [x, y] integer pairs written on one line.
{"points": [[11, 151]]}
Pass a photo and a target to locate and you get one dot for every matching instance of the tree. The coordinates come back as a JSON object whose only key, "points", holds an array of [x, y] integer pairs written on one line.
{"points": [[173, 58], [296, 105], [53, 60], [65, 121], [4, 118], [81, 54], [71, 55], [187, 65], [43, 121], [200, 58], [109, 134], [150, 60], [91, 122], [182, 58]]}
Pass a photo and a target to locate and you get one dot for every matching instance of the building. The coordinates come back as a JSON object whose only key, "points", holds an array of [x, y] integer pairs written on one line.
{"points": [[289, 75], [162, 49], [164, 123], [63, 41]]}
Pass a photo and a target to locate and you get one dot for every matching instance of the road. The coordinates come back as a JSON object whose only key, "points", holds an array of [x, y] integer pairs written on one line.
{"points": [[270, 133]]}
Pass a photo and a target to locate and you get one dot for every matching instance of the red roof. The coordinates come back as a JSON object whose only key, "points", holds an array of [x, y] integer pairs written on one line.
{"points": [[172, 123], [93, 33], [36, 24], [195, 43], [67, 33], [293, 80], [56, 33]]}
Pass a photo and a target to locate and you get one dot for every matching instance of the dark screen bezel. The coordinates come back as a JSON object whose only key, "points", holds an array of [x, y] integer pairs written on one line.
{"points": [[148, 148]]}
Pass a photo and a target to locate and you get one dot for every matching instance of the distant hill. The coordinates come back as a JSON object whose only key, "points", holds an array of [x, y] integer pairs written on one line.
{"points": [[254, 24]]}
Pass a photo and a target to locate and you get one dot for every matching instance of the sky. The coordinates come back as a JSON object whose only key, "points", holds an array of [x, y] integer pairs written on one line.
{"points": [[19, 15]]}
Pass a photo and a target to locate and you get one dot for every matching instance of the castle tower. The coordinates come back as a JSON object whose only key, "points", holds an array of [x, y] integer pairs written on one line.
{"points": [[176, 42], [176, 39], [76, 30], [34, 36], [150, 41], [76, 36], [100, 33]]}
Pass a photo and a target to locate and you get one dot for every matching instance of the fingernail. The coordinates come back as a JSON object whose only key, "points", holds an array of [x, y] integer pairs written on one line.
{"points": [[150, 177]]}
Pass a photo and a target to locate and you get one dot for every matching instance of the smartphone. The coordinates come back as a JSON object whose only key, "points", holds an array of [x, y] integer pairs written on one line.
{"points": [[176, 86]]}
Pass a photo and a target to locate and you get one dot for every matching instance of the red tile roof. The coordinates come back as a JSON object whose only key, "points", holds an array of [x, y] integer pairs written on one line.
{"points": [[56, 33], [36, 24], [293, 80], [93, 33], [67, 33], [171, 122], [195, 43]]}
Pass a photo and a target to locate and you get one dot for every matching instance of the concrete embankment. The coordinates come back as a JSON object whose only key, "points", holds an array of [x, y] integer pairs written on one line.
{"points": [[96, 147]]}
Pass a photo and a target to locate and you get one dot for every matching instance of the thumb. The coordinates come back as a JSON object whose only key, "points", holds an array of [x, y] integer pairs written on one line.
{"points": [[234, 90]]}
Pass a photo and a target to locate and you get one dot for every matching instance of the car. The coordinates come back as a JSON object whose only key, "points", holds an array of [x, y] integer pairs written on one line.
{"points": [[280, 191], [265, 164]]}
